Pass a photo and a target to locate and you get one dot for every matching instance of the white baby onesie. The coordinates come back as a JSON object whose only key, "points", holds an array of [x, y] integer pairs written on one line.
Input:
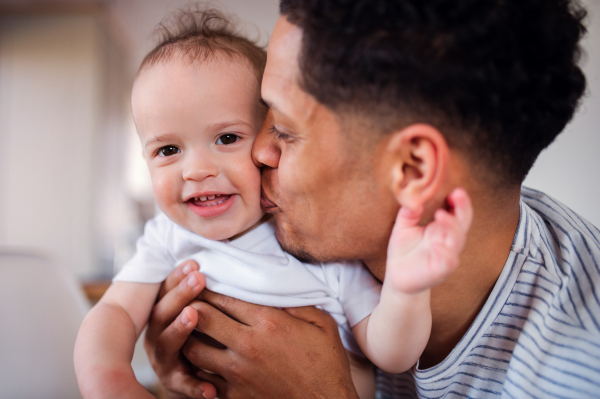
{"points": [[254, 268]]}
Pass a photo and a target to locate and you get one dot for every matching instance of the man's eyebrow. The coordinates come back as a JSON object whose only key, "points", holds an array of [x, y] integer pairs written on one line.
{"points": [[270, 105], [162, 138]]}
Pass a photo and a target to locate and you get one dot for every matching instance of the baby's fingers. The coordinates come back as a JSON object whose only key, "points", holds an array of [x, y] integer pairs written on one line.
{"points": [[446, 231], [406, 232], [408, 218], [450, 228], [443, 262], [462, 209]]}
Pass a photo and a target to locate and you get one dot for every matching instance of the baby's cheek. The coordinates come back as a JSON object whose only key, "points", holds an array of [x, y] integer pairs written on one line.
{"points": [[163, 191], [253, 181], [245, 173], [250, 178]]}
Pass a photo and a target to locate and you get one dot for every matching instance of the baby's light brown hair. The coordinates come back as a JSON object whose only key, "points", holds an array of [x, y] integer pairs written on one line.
{"points": [[200, 33]]}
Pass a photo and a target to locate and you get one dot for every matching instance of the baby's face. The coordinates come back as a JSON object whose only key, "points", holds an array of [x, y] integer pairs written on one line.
{"points": [[197, 123]]}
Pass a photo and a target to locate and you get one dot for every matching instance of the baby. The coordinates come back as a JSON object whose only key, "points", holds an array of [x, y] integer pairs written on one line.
{"points": [[196, 105]]}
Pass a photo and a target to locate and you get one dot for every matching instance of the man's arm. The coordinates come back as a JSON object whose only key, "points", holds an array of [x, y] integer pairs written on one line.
{"points": [[271, 353]]}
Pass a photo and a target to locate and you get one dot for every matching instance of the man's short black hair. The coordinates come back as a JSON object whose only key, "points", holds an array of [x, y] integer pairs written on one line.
{"points": [[499, 78]]}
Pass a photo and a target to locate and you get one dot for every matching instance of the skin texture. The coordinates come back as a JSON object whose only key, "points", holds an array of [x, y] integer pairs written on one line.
{"points": [[354, 185], [197, 137]]}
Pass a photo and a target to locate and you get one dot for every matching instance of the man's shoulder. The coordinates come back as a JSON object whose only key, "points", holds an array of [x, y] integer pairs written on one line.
{"points": [[559, 237], [557, 297], [562, 261], [559, 219]]}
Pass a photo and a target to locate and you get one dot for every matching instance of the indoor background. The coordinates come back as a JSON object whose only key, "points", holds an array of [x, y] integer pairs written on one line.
{"points": [[73, 184]]}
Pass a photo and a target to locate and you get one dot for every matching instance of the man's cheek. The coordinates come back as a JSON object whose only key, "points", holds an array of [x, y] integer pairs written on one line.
{"points": [[299, 180]]}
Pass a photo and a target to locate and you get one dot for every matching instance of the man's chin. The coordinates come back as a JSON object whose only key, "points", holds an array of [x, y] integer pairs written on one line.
{"points": [[294, 249], [301, 254]]}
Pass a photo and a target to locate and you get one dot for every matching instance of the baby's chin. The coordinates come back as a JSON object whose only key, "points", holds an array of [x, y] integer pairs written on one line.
{"points": [[215, 234], [226, 230]]}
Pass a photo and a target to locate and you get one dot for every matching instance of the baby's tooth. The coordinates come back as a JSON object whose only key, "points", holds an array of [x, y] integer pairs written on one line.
{"points": [[202, 198], [211, 197]]}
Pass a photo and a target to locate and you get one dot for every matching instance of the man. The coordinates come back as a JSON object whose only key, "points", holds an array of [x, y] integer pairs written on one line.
{"points": [[375, 105]]}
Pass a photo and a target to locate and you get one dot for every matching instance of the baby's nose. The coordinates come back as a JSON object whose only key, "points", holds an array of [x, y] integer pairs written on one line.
{"points": [[199, 168]]}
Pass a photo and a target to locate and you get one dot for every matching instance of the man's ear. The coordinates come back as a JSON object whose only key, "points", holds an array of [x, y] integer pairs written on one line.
{"points": [[419, 159]]}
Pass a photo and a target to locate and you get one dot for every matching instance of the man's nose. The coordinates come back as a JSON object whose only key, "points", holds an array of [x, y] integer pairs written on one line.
{"points": [[266, 150], [198, 167]]}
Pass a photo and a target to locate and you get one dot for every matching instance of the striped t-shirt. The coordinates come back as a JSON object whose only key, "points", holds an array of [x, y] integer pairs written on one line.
{"points": [[538, 334]]}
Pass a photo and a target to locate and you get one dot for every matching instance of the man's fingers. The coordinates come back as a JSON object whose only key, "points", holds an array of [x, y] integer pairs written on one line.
{"points": [[207, 357], [312, 315], [217, 325], [170, 305], [215, 381], [244, 312], [171, 340], [178, 274], [190, 387]]}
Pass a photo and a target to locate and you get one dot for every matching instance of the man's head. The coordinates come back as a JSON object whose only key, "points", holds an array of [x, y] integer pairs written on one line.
{"points": [[388, 103]]}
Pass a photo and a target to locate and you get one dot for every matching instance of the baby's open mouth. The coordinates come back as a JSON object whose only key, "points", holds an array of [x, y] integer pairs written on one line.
{"points": [[210, 200]]}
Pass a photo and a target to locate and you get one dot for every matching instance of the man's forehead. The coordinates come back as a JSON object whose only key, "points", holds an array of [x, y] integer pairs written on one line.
{"points": [[280, 88], [281, 71], [285, 43]]}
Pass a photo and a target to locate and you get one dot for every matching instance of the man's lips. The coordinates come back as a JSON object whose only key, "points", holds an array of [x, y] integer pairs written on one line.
{"points": [[265, 203]]}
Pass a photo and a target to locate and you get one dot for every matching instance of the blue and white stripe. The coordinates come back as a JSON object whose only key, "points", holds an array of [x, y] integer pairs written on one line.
{"points": [[538, 334]]}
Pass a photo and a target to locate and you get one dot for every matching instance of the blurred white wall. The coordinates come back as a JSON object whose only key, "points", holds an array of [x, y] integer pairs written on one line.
{"points": [[569, 169], [139, 18], [49, 110], [62, 110]]}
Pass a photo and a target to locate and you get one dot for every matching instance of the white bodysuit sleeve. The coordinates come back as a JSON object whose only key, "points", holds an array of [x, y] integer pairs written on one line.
{"points": [[359, 291], [358, 294], [152, 261]]}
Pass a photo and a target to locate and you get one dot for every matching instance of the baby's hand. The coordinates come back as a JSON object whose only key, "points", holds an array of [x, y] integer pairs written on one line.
{"points": [[421, 257]]}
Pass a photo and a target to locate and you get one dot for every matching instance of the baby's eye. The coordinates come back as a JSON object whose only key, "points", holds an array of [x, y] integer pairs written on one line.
{"points": [[168, 150], [228, 139]]}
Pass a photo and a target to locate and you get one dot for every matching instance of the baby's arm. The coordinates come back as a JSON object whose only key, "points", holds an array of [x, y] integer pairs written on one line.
{"points": [[396, 333], [363, 376], [106, 340]]}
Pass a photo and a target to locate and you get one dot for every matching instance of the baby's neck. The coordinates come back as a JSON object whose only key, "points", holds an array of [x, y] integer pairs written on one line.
{"points": [[265, 217]]}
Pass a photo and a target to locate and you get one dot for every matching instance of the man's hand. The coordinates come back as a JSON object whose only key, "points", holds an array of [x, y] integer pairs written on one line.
{"points": [[271, 353], [170, 324], [421, 257]]}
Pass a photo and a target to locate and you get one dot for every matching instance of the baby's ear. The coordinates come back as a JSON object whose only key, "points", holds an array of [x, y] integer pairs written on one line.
{"points": [[419, 159]]}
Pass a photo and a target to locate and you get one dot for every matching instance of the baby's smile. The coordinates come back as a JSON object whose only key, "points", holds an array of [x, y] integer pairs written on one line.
{"points": [[202, 200], [211, 205]]}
